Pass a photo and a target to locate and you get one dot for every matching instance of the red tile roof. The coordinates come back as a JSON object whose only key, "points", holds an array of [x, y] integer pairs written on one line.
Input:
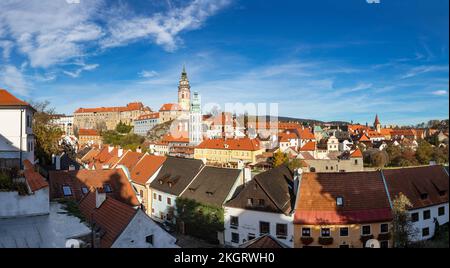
{"points": [[413, 182], [33, 178], [182, 137], [170, 107], [87, 132], [364, 196], [245, 144], [130, 159], [7, 99], [148, 166], [265, 241], [148, 116], [310, 146], [364, 138], [287, 136], [134, 106], [122, 189], [306, 134], [356, 154], [112, 217]]}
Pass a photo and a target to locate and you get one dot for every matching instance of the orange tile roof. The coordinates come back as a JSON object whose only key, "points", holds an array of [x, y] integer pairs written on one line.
{"points": [[386, 131], [7, 99], [170, 107], [287, 136], [306, 134], [90, 155], [148, 165], [87, 132], [134, 106], [310, 146], [112, 217], [177, 137], [33, 178], [148, 116], [364, 138], [130, 159], [356, 154], [364, 198], [116, 178], [245, 144]]}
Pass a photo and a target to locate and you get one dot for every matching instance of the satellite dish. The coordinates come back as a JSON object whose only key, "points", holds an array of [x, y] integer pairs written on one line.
{"points": [[372, 243], [72, 243]]}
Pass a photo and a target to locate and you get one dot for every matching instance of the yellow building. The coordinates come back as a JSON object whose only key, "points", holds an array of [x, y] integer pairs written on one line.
{"points": [[229, 151], [89, 137], [340, 210]]}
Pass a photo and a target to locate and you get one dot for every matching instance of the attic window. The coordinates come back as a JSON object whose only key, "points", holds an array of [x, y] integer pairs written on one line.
{"points": [[149, 239], [191, 190], [442, 192], [210, 193], [67, 191], [160, 182], [250, 201], [84, 190], [107, 188], [261, 202], [170, 184], [339, 201], [423, 196]]}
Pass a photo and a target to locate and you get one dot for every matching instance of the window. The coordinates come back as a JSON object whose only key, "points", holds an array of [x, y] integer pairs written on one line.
{"points": [[234, 222], [343, 231], [261, 202], [67, 191], [264, 227], [366, 230], [356, 161], [250, 201], [423, 196], [425, 232], [141, 193], [169, 201], [384, 228], [149, 239], [84, 190], [28, 121], [415, 217], [339, 201], [441, 211], [281, 230], [251, 236], [154, 196], [426, 214], [384, 244], [107, 188], [306, 232], [235, 237], [325, 232]]}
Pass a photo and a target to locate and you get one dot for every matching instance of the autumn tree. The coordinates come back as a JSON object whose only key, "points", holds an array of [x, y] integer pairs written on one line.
{"points": [[395, 154], [47, 135], [402, 226], [280, 158], [295, 164], [424, 152]]}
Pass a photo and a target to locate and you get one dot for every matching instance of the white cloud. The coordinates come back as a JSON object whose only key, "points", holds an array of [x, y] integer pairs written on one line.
{"points": [[13, 79], [148, 74], [415, 71], [6, 46], [439, 92], [83, 67]]}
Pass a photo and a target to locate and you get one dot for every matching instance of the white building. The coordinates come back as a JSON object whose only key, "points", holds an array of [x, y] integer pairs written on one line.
{"points": [[16, 133], [332, 144], [65, 123], [144, 123], [264, 206], [195, 120]]}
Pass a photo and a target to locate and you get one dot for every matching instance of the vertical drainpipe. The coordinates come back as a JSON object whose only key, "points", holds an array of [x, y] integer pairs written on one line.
{"points": [[21, 129], [386, 188]]}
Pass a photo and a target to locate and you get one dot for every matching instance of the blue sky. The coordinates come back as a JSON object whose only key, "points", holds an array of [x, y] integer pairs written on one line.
{"points": [[325, 59]]}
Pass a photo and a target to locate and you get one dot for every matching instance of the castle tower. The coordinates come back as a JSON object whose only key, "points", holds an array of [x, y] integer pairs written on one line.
{"points": [[184, 91], [195, 120], [376, 124]]}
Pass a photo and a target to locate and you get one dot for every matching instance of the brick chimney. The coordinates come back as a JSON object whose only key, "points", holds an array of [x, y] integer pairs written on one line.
{"points": [[100, 197]]}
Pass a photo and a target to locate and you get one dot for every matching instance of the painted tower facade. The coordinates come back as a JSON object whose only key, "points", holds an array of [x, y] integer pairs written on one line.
{"points": [[184, 91], [195, 120], [377, 124]]}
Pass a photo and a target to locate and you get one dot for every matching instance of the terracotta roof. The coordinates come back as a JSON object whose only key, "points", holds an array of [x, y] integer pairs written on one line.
{"points": [[177, 137], [170, 107], [146, 167], [386, 131], [287, 136], [87, 132], [34, 180], [417, 181], [90, 155], [7, 99], [364, 198], [356, 154], [134, 106], [212, 186], [364, 138], [306, 134], [402, 132], [176, 174], [245, 144], [148, 116], [122, 189], [265, 241], [310, 146], [273, 187], [112, 217], [130, 159]]}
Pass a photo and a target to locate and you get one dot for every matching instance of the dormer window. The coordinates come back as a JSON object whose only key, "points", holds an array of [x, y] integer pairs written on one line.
{"points": [[261, 202], [67, 191], [84, 190], [339, 201], [442, 193], [250, 201], [170, 184], [107, 188], [423, 196], [160, 182]]}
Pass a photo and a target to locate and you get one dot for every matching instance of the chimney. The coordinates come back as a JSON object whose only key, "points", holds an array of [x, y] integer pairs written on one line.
{"points": [[120, 152], [297, 175], [100, 197], [247, 173], [110, 148], [139, 149], [71, 167], [58, 162], [53, 159]]}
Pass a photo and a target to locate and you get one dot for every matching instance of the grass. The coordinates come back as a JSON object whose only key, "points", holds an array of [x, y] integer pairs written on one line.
{"points": [[72, 208], [8, 185]]}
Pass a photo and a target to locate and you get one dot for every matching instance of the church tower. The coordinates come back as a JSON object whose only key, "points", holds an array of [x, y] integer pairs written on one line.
{"points": [[195, 120], [376, 124], [184, 92]]}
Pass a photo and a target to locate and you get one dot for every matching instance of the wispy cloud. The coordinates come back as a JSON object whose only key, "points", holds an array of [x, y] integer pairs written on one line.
{"points": [[13, 79], [415, 71], [148, 74], [439, 92], [82, 67]]}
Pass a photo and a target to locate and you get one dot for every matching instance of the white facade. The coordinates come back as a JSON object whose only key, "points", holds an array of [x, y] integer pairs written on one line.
{"points": [[65, 123], [16, 134], [139, 229], [346, 145], [163, 204], [249, 222], [429, 223], [195, 120], [333, 144], [143, 126], [14, 205]]}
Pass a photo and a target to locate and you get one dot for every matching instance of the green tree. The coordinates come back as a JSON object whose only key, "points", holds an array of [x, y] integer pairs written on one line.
{"points": [[46, 134], [440, 155], [280, 158], [379, 159], [402, 226], [408, 158], [395, 154], [123, 128], [424, 152], [295, 164]]}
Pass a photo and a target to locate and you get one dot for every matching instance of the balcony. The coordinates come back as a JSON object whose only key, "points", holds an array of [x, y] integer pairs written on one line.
{"points": [[365, 238], [384, 236], [325, 241], [306, 240]]}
